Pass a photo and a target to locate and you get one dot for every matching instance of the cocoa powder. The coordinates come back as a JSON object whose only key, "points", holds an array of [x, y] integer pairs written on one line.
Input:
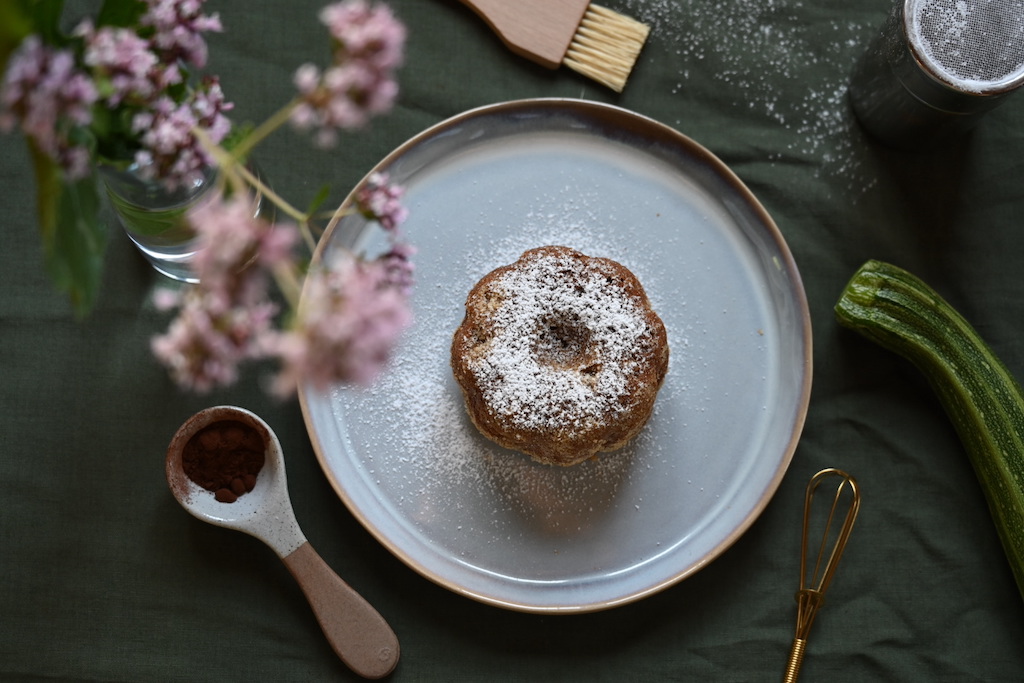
{"points": [[225, 457]]}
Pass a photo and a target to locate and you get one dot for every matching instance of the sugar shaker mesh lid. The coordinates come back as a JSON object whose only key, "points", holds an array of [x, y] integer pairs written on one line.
{"points": [[971, 44]]}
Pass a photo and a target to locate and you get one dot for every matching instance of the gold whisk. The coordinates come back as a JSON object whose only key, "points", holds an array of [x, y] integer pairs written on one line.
{"points": [[810, 599]]}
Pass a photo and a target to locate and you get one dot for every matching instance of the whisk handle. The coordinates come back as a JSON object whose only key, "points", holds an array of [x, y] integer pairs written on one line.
{"points": [[796, 658]]}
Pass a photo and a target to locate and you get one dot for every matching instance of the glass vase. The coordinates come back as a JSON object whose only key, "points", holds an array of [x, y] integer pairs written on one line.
{"points": [[154, 217]]}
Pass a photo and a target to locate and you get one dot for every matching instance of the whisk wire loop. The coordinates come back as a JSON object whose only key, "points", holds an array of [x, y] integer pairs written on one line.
{"points": [[813, 585]]}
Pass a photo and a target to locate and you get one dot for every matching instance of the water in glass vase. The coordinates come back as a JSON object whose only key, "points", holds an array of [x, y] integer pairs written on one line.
{"points": [[153, 217]]}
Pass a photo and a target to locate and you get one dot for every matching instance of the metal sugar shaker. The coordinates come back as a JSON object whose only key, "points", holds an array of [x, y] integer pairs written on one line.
{"points": [[936, 67]]}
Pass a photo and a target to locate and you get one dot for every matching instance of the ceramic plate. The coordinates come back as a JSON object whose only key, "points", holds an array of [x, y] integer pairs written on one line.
{"points": [[492, 525]]}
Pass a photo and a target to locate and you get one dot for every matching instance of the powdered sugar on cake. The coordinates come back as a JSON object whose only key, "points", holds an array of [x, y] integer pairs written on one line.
{"points": [[525, 371]]}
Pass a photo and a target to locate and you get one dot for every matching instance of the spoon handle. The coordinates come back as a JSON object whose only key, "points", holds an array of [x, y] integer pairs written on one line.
{"points": [[356, 631]]}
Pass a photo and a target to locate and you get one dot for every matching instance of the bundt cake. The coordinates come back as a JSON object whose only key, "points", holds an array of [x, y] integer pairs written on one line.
{"points": [[560, 355]]}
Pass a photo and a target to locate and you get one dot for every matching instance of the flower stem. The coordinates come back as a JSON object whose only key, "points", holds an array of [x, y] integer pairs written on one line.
{"points": [[289, 282], [278, 200], [278, 119], [307, 235], [232, 166]]}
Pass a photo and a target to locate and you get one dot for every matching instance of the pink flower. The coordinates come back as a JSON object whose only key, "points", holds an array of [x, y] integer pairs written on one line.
{"points": [[399, 267], [166, 299], [205, 343], [351, 316], [208, 105], [179, 25], [170, 150], [228, 317], [49, 98], [379, 200], [231, 238], [367, 34], [360, 83], [347, 327], [124, 64]]}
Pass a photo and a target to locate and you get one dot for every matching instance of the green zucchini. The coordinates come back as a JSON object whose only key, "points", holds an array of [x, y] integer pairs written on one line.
{"points": [[900, 312]]}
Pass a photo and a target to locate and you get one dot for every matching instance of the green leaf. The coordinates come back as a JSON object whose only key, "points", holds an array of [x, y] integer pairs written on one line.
{"points": [[120, 13], [15, 24], [115, 140], [318, 200], [74, 239], [48, 186], [236, 136], [77, 254], [22, 18], [46, 15]]}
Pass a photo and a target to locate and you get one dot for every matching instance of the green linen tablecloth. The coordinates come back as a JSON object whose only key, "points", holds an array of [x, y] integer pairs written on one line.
{"points": [[104, 578]]}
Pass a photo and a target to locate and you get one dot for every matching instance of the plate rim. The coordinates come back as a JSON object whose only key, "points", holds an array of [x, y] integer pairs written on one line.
{"points": [[614, 114]]}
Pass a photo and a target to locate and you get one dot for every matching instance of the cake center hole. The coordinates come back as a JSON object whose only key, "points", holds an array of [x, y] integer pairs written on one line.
{"points": [[562, 341]]}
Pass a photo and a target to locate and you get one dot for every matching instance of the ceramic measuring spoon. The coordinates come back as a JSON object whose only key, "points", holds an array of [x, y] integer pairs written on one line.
{"points": [[356, 631]]}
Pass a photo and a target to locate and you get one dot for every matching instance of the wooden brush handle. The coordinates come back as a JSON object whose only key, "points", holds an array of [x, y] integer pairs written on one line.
{"points": [[539, 30], [356, 631]]}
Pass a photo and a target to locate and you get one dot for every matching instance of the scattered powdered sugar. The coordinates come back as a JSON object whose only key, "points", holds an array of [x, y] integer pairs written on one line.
{"points": [[555, 316], [777, 59], [414, 423], [410, 439]]}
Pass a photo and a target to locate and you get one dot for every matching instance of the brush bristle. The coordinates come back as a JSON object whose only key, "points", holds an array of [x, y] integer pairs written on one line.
{"points": [[606, 46]]}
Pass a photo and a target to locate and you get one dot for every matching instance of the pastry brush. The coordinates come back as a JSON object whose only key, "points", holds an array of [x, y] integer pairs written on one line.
{"points": [[590, 39]]}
